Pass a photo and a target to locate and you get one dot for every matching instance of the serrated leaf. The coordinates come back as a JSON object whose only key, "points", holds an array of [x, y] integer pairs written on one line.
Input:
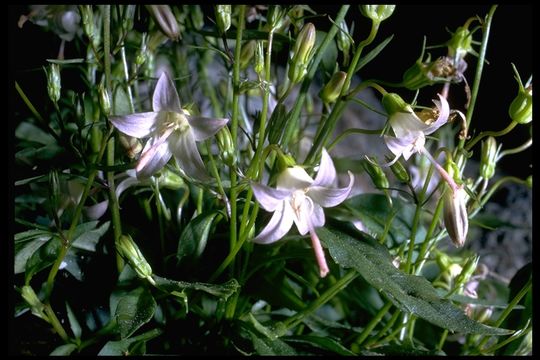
{"points": [[64, 350], [89, 235], [195, 236], [325, 343], [43, 257], [124, 347], [223, 290], [411, 294], [265, 346], [134, 309], [73, 323]]}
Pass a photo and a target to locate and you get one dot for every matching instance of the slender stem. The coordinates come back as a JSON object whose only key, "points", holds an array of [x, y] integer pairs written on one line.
{"points": [[126, 77], [113, 203], [484, 134], [348, 132], [479, 68], [323, 299], [434, 222], [55, 323], [443, 339], [515, 150], [107, 43], [494, 188], [374, 321], [388, 325], [313, 68]]}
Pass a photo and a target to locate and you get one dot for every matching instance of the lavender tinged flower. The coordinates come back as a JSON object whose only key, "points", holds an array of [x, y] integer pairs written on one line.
{"points": [[299, 199], [171, 131]]}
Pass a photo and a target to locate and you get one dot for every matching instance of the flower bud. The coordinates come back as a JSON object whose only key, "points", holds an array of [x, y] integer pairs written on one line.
{"points": [[197, 16], [393, 103], [488, 161], [344, 41], [127, 248], [376, 173], [88, 20], [399, 171], [460, 44], [248, 50], [223, 17], [520, 109], [31, 299], [226, 146], [468, 269], [104, 99], [142, 53], [455, 216], [275, 17], [377, 13], [332, 89], [164, 18], [484, 315], [259, 58], [53, 82], [302, 53]]}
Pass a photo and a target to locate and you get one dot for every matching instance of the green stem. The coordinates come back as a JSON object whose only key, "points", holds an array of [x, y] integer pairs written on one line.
{"points": [[113, 203], [515, 150], [348, 132], [443, 339], [478, 74], [126, 77], [374, 321], [330, 123], [323, 299], [381, 333], [55, 323], [422, 254], [492, 190], [107, 44], [484, 134], [295, 113]]}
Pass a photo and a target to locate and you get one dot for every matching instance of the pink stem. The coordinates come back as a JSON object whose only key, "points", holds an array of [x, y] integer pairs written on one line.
{"points": [[319, 252], [441, 171]]}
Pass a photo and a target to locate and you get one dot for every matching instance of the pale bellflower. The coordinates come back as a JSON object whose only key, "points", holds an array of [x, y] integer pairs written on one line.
{"points": [[171, 131], [300, 199]]}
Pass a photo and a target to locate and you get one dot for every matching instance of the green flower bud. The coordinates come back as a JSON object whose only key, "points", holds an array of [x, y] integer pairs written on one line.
{"points": [[460, 44], [104, 99], [197, 16], [142, 54], [171, 180], [393, 103], [488, 161], [443, 261], [248, 50], [468, 269], [302, 53], [223, 17], [399, 171], [344, 41], [165, 19], [31, 299], [226, 146], [275, 17], [127, 248], [284, 161], [484, 315], [53, 82], [331, 91], [520, 109], [455, 216], [88, 20], [377, 13], [259, 58], [376, 173]]}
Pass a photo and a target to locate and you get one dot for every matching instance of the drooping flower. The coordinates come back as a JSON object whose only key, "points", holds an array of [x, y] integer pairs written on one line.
{"points": [[409, 129], [171, 131], [300, 199]]}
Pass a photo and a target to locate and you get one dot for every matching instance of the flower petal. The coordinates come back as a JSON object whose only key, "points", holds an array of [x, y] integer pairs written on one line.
{"points": [[302, 219], [328, 197], [397, 145], [404, 123], [187, 155], [444, 112], [326, 176], [268, 197], [154, 156], [279, 225], [165, 95], [317, 217], [137, 125], [96, 211], [294, 178], [204, 127]]}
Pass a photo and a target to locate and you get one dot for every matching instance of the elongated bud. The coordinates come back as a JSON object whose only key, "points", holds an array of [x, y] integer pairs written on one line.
{"points": [[104, 98], [456, 219], [53, 82], [275, 17], [468, 269], [248, 50], [377, 13], [489, 158], [376, 173], [197, 16], [226, 146], [259, 58], [521, 107], [31, 299], [88, 20], [127, 248], [344, 42], [223, 17], [142, 54], [164, 18], [332, 89], [399, 171], [393, 103], [302, 53]]}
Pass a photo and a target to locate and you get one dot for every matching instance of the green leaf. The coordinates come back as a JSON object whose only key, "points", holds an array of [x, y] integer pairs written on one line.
{"points": [[328, 61], [407, 350], [195, 236], [73, 323], [64, 350], [373, 53], [491, 222], [264, 346], [126, 346], [121, 102], [223, 291], [325, 343], [30, 132], [43, 257], [26, 244], [67, 61], [411, 294], [134, 309], [87, 235]]}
